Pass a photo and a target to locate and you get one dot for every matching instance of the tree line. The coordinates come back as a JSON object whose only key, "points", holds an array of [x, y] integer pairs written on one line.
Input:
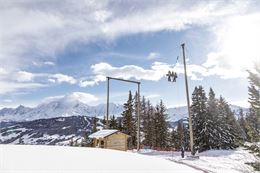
{"points": [[153, 122], [214, 123]]}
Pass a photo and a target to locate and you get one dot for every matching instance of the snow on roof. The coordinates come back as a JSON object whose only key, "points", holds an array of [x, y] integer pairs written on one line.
{"points": [[102, 133]]}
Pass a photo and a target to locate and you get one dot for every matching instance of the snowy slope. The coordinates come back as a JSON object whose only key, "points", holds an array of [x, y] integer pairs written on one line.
{"points": [[53, 131], [49, 159]]}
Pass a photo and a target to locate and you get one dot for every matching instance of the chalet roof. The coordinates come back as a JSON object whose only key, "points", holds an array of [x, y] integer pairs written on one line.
{"points": [[103, 133]]}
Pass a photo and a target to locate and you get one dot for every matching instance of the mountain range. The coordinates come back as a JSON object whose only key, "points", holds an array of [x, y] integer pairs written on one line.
{"points": [[64, 107], [59, 108]]}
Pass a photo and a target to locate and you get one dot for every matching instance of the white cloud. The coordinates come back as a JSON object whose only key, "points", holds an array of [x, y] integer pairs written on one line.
{"points": [[23, 76], [7, 87], [152, 96], [41, 29], [237, 46], [61, 78], [128, 71], [8, 101], [153, 55], [33, 32], [83, 97], [3, 71], [17, 81], [49, 63], [86, 83], [157, 71], [52, 98]]}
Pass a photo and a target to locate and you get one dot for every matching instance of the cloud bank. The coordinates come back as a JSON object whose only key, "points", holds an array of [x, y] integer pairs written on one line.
{"points": [[33, 32]]}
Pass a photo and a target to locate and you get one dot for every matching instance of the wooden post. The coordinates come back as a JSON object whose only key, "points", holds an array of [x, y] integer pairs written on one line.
{"points": [[138, 118], [138, 106], [188, 100], [107, 124]]}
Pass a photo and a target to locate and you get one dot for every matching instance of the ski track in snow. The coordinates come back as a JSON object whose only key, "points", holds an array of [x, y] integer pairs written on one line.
{"points": [[213, 161]]}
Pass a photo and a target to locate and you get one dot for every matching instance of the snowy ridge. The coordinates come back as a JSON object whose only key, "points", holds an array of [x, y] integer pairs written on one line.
{"points": [[58, 108]]}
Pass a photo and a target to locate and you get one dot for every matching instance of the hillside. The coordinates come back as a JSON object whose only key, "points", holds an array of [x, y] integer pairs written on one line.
{"points": [[53, 131]]}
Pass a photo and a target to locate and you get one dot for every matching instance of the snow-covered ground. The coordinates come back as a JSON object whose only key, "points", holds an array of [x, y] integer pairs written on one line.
{"points": [[219, 161], [61, 159]]}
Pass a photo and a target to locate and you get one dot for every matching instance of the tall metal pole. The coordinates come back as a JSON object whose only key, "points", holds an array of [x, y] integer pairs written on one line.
{"points": [[138, 118], [107, 124], [188, 100]]}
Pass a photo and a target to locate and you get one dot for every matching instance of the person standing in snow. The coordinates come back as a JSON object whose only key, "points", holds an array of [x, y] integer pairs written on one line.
{"points": [[182, 152]]}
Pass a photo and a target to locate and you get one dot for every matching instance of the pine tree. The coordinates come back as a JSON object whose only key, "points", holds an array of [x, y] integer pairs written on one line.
{"points": [[180, 136], [253, 117], [242, 124], [160, 132], [86, 142], [119, 124], [252, 131], [179, 142], [254, 77], [199, 117], [155, 127], [164, 133], [135, 118], [186, 135], [104, 121], [113, 123], [254, 100], [214, 122], [94, 122], [173, 140], [226, 125], [143, 120], [148, 125], [128, 120]]}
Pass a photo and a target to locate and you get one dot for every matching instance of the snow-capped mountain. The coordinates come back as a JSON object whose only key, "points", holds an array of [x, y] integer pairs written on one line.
{"points": [[58, 108], [76, 105], [177, 113]]}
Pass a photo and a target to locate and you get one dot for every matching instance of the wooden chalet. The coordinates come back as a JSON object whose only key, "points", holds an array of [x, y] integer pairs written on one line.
{"points": [[110, 139]]}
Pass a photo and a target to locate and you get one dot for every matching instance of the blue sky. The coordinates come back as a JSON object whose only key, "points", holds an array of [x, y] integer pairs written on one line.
{"points": [[50, 49]]}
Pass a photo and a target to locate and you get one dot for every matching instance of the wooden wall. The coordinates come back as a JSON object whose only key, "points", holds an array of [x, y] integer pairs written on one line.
{"points": [[117, 141]]}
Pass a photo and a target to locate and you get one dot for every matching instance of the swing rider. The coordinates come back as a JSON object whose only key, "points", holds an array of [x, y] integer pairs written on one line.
{"points": [[172, 76]]}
